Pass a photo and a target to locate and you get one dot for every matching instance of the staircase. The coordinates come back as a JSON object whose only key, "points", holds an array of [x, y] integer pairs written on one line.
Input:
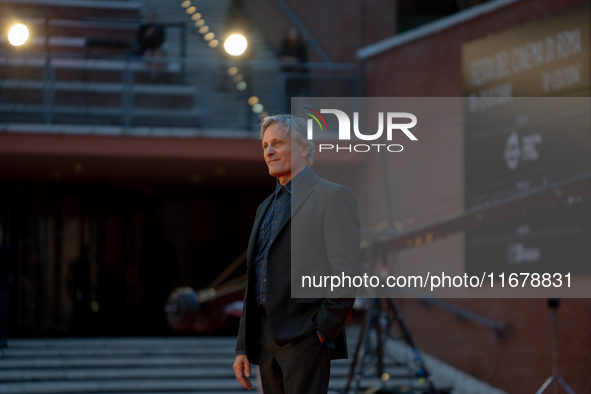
{"points": [[148, 365], [226, 106], [88, 84]]}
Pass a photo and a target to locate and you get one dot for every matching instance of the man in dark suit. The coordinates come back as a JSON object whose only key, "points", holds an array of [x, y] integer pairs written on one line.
{"points": [[306, 222]]}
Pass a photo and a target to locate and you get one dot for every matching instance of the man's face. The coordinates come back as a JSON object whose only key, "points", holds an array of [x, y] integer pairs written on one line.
{"points": [[277, 148], [277, 151]]}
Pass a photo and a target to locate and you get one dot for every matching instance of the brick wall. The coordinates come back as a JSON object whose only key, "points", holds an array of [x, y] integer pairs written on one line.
{"points": [[432, 66], [520, 362]]}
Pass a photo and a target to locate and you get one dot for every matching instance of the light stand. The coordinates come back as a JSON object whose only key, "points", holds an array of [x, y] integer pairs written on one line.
{"points": [[381, 315], [553, 304]]}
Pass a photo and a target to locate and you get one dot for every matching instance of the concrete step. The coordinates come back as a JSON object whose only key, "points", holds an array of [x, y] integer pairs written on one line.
{"points": [[100, 87], [114, 352], [205, 371], [112, 362], [181, 372], [102, 111], [129, 362], [130, 385], [117, 65], [174, 385], [134, 131], [98, 116], [120, 342], [69, 9], [151, 365]]}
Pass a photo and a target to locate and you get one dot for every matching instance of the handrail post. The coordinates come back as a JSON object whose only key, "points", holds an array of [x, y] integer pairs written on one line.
{"points": [[127, 95], [203, 92], [48, 93], [183, 51], [48, 80]]}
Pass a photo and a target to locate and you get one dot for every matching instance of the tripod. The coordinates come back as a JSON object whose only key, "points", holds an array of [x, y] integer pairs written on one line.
{"points": [[553, 304], [381, 316]]}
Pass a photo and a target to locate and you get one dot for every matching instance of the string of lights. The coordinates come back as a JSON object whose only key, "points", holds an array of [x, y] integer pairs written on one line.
{"points": [[234, 45]]}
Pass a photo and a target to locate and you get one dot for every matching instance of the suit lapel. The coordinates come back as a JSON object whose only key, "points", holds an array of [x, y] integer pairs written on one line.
{"points": [[298, 197]]}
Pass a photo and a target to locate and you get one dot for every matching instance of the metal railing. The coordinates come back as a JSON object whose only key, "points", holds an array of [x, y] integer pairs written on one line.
{"points": [[188, 92]]}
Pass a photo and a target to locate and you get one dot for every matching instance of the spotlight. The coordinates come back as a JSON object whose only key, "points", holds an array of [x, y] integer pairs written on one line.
{"points": [[241, 86], [253, 100], [191, 10], [257, 108], [204, 29], [18, 35], [200, 22], [209, 36], [236, 44], [196, 16], [232, 71], [213, 43], [185, 4]]}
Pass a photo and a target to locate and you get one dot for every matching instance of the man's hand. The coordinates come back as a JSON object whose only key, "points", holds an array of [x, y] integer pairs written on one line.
{"points": [[242, 371]]}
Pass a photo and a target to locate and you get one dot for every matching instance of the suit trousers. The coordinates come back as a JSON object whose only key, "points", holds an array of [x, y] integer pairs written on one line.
{"points": [[300, 367]]}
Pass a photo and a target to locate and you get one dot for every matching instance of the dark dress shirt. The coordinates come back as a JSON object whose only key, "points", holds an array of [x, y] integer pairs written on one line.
{"points": [[267, 231]]}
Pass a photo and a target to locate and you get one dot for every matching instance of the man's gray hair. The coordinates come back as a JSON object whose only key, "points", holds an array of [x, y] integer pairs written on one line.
{"points": [[292, 125]]}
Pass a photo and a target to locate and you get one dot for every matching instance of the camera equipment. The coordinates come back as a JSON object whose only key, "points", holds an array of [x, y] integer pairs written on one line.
{"points": [[554, 304], [381, 315], [204, 310]]}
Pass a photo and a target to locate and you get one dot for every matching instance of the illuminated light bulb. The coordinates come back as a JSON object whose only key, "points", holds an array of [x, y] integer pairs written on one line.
{"points": [[236, 44], [18, 35]]}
